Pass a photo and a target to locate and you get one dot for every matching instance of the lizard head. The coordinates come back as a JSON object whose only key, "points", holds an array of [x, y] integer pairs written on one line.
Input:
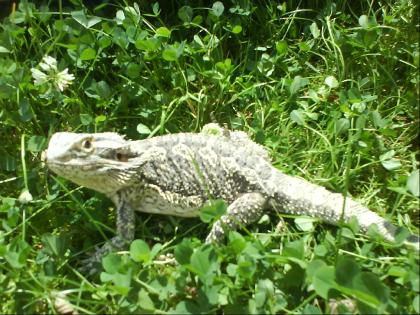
{"points": [[97, 161]]}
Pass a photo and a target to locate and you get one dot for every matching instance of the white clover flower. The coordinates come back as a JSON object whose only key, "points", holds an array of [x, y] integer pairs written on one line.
{"points": [[63, 79], [51, 76], [25, 196], [39, 76], [48, 64]]}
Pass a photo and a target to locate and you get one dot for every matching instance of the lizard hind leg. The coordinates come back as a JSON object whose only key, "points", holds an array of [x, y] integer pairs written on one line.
{"points": [[246, 209]]}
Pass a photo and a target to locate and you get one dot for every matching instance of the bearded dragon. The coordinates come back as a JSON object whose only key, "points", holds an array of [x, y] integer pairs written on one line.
{"points": [[178, 174]]}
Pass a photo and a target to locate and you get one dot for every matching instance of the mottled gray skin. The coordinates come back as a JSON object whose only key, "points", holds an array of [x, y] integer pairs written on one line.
{"points": [[177, 174]]}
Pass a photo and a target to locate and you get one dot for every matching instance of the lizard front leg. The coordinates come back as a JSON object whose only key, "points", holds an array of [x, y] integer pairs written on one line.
{"points": [[125, 234], [243, 211]]}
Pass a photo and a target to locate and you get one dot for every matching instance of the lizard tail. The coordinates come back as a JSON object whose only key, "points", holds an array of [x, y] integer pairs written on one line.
{"points": [[297, 196]]}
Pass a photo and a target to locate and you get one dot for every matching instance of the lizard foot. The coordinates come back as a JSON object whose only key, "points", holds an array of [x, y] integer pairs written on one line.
{"points": [[91, 265]]}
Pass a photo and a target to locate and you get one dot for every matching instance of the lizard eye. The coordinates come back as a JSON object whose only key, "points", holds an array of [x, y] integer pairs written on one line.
{"points": [[87, 144]]}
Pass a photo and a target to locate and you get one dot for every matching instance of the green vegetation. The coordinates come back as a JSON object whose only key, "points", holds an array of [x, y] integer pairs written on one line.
{"points": [[330, 89]]}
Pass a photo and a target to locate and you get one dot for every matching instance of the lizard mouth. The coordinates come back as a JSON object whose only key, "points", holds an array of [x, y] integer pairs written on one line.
{"points": [[72, 164], [54, 161]]}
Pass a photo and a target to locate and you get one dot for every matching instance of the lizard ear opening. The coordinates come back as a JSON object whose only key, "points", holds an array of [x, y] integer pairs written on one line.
{"points": [[122, 157]]}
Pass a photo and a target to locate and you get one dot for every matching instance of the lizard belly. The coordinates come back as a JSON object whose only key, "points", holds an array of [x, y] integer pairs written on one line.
{"points": [[155, 200]]}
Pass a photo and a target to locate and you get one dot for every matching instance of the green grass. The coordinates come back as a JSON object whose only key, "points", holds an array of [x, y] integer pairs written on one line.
{"points": [[330, 90]]}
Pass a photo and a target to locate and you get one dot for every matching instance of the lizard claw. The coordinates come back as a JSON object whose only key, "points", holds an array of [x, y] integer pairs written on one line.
{"points": [[90, 266], [93, 264]]}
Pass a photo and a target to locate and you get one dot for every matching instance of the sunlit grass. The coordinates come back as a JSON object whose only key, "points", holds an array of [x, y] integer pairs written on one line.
{"points": [[331, 90]]}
